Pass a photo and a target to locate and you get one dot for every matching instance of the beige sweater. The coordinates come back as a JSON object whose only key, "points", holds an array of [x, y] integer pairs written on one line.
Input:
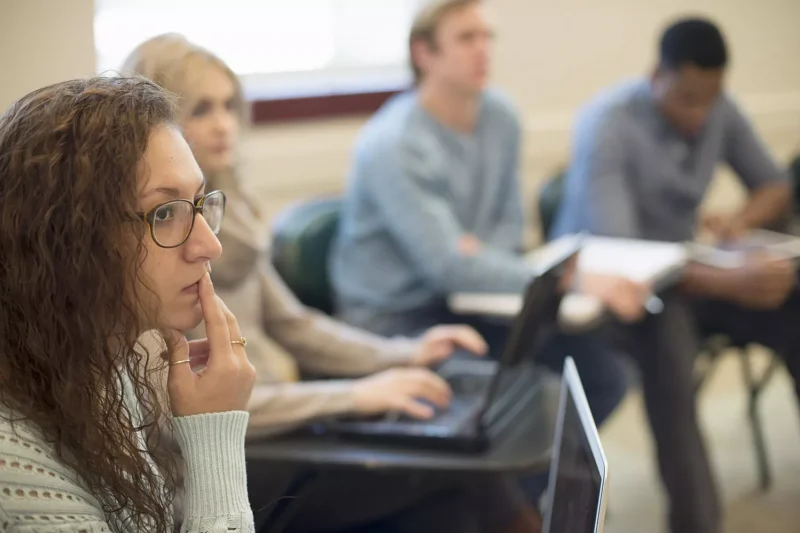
{"points": [[283, 336]]}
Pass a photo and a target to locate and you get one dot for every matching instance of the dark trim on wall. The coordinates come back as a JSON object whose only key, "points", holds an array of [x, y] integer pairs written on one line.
{"points": [[313, 107]]}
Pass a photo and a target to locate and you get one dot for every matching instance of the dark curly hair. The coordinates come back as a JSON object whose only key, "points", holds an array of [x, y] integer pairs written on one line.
{"points": [[71, 245]]}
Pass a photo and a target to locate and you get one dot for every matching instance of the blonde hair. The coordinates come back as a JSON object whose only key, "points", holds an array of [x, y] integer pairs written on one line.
{"points": [[426, 24], [168, 60]]}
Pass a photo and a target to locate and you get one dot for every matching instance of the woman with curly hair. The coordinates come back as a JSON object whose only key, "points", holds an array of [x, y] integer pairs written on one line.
{"points": [[106, 234]]}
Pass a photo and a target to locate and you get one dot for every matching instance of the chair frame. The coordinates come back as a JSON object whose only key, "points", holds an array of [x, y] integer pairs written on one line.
{"points": [[713, 347]]}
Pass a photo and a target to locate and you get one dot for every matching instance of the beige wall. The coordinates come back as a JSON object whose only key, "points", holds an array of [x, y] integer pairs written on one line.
{"points": [[550, 57], [41, 42]]}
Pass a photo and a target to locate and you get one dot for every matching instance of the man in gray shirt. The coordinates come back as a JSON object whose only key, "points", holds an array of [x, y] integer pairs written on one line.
{"points": [[644, 155]]}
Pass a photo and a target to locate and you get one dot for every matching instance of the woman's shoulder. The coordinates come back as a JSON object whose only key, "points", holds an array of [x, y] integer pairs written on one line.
{"points": [[20, 436], [36, 488]]}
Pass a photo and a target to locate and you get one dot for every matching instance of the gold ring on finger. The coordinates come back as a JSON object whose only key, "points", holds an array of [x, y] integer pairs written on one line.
{"points": [[240, 340]]}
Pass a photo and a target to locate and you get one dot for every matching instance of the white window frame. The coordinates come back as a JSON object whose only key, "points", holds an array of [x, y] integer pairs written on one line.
{"points": [[338, 76]]}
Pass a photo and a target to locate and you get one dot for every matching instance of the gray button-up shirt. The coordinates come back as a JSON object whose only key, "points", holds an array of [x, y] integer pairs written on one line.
{"points": [[633, 175]]}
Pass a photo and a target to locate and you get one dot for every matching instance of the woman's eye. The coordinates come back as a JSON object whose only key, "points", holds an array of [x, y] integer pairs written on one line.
{"points": [[201, 109], [164, 213]]}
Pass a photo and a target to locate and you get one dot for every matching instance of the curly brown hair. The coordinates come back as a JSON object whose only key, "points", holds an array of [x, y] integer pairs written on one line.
{"points": [[71, 244]]}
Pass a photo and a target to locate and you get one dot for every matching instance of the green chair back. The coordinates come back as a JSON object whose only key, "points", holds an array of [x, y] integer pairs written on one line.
{"points": [[302, 238], [550, 197], [794, 170]]}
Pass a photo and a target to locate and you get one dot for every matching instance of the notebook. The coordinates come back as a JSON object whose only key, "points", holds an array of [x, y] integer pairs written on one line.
{"points": [[643, 261], [733, 254], [651, 262]]}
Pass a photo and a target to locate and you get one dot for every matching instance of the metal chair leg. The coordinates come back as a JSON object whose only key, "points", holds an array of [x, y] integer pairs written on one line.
{"points": [[713, 350], [755, 386]]}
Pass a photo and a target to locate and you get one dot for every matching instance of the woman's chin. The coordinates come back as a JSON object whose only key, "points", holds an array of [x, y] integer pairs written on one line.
{"points": [[185, 320]]}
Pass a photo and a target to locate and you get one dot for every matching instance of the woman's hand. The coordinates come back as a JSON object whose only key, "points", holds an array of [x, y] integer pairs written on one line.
{"points": [[440, 342], [404, 390], [227, 380]]}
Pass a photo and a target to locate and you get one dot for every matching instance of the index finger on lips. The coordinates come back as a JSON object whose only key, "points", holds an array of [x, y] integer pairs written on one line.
{"points": [[217, 330]]}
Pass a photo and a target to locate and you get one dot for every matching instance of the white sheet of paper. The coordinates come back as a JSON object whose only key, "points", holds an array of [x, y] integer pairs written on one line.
{"points": [[489, 304], [643, 261]]}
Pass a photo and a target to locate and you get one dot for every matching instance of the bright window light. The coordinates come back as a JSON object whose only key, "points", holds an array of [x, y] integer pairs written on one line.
{"points": [[279, 47]]}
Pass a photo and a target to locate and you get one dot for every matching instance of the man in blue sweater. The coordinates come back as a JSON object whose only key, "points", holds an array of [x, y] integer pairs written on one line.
{"points": [[434, 207], [644, 155]]}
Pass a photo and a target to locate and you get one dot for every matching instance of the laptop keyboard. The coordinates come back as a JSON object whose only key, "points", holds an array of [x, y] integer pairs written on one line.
{"points": [[469, 391], [468, 384], [460, 409]]}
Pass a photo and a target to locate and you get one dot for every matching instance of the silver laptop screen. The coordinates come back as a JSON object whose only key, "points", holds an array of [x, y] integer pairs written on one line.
{"points": [[577, 485], [578, 471]]}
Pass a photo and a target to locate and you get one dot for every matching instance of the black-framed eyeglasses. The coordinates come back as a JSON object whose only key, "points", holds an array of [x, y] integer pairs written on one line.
{"points": [[172, 222]]}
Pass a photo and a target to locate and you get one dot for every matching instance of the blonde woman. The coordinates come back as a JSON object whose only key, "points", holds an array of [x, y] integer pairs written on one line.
{"points": [[379, 374]]}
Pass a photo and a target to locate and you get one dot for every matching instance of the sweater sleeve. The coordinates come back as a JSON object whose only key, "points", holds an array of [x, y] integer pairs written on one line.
{"points": [[279, 407], [420, 218], [320, 343], [216, 480]]}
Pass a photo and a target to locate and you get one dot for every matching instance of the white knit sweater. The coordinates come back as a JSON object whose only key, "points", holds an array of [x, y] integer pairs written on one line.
{"points": [[39, 493]]}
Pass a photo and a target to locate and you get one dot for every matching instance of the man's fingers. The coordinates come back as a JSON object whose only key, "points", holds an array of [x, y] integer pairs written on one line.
{"points": [[714, 223], [628, 311], [627, 299]]}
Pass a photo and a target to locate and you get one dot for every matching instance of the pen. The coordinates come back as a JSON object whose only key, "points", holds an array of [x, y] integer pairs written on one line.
{"points": [[653, 304]]}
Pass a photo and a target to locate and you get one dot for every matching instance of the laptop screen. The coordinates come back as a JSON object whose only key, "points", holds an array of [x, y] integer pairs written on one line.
{"points": [[578, 471]]}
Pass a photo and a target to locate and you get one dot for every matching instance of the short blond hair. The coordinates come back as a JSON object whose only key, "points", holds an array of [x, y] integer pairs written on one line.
{"points": [[426, 24]]}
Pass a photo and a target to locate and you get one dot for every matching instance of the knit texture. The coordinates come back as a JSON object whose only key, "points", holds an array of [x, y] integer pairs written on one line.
{"points": [[39, 493]]}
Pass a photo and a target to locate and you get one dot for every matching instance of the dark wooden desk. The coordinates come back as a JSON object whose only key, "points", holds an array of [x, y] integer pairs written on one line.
{"points": [[523, 448]]}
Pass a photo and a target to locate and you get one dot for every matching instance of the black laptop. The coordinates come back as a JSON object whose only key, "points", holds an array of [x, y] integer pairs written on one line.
{"points": [[488, 396]]}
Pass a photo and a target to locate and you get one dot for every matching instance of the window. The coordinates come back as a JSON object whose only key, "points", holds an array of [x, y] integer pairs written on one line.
{"points": [[280, 48]]}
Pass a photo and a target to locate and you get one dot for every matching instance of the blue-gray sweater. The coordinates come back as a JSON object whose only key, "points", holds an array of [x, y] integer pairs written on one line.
{"points": [[415, 188]]}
